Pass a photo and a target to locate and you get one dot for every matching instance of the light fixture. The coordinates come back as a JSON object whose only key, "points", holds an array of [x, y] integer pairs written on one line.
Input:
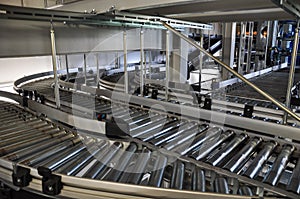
{"points": [[59, 3], [54, 6]]}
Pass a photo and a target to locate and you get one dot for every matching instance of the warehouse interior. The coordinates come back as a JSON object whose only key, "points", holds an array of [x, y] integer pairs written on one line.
{"points": [[149, 99]]}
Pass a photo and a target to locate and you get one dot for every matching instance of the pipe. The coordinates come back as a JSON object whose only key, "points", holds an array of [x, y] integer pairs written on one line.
{"points": [[167, 65], [142, 62], [53, 49], [125, 61], [266, 95], [292, 73]]}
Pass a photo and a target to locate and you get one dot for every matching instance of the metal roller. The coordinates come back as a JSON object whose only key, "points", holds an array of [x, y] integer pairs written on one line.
{"points": [[95, 170], [198, 180], [14, 134], [245, 191], [56, 161], [30, 151], [136, 172], [211, 133], [221, 186], [241, 157], [32, 143], [220, 157], [294, 182], [211, 144], [140, 132], [147, 121], [279, 165], [185, 137], [12, 138], [171, 134], [19, 126], [73, 167], [156, 133], [260, 159], [115, 174], [157, 173], [177, 175]]}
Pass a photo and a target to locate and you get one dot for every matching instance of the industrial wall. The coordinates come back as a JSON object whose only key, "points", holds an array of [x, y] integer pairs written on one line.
{"points": [[29, 39]]}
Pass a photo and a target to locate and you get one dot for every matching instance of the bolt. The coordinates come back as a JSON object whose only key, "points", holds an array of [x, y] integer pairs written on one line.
{"points": [[19, 180], [50, 188]]}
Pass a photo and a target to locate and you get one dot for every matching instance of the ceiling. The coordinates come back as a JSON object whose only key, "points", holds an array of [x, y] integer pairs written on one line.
{"points": [[196, 10]]}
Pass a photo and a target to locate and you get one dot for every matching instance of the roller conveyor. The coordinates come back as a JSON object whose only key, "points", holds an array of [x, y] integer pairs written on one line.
{"points": [[171, 135], [69, 156]]}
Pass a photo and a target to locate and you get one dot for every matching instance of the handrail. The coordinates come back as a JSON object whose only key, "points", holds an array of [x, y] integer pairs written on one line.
{"points": [[266, 95]]}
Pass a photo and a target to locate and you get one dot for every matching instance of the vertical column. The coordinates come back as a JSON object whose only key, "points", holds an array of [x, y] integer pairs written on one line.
{"points": [[167, 64], [292, 72], [97, 69], [267, 43], [201, 59], [150, 60], [53, 49], [142, 61], [242, 48], [250, 41], [84, 67], [274, 33], [125, 61], [67, 67], [229, 34]]}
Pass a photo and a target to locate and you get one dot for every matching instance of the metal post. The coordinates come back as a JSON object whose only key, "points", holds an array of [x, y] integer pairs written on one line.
{"points": [[250, 41], [84, 67], [125, 61], [53, 49], [241, 77], [150, 60], [292, 72], [201, 60], [142, 62], [167, 65], [267, 44], [97, 69], [242, 48], [67, 67]]}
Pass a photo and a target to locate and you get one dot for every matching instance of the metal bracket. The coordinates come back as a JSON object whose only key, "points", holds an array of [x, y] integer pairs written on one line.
{"points": [[146, 90], [207, 104], [51, 184], [21, 177], [154, 94], [248, 111]]}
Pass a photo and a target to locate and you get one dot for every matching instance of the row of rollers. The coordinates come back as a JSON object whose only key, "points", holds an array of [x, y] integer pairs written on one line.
{"points": [[29, 143], [139, 125], [215, 147]]}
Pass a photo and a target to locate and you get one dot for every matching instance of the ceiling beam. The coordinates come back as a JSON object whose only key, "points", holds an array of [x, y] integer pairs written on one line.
{"points": [[102, 6], [235, 16]]}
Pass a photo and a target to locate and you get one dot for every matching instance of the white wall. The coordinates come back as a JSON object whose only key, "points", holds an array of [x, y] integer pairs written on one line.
{"points": [[15, 68]]}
